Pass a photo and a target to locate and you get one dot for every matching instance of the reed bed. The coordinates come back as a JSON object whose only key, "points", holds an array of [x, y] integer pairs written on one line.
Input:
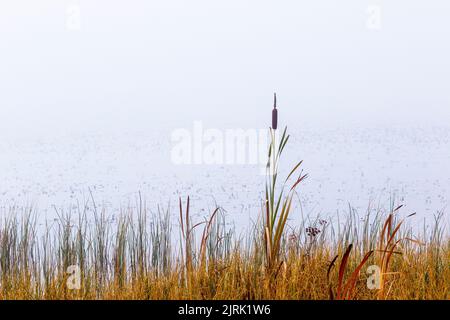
{"points": [[156, 254], [137, 257]]}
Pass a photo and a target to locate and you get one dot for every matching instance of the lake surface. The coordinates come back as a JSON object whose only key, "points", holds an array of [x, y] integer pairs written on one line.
{"points": [[357, 166]]}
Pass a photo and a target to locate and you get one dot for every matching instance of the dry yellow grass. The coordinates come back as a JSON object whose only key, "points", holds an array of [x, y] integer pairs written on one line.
{"points": [[419, 274]]}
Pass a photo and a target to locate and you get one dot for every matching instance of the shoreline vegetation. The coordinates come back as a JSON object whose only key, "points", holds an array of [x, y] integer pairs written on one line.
{"points": [[83, 255]]}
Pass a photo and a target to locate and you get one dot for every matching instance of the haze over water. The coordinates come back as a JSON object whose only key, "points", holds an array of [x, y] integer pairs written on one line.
{"points": [[93, 105]]}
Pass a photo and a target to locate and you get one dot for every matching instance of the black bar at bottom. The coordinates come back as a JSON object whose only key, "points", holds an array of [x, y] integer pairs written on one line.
{"points": [[273, 309]]}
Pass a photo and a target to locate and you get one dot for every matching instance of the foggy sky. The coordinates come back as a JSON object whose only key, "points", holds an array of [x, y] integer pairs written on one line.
{"points": [[141, 63]]}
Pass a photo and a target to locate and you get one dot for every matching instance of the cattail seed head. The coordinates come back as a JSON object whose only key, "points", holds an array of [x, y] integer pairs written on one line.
{"points": [[274, 113]]}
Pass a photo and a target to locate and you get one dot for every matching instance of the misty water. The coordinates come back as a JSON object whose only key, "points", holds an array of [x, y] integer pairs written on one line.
{"points": [[91, 91], [357, 166]]}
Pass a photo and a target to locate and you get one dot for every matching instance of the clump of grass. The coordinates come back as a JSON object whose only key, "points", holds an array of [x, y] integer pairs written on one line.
{"points": [[277, 205], [346, 289], [139, 261]]}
